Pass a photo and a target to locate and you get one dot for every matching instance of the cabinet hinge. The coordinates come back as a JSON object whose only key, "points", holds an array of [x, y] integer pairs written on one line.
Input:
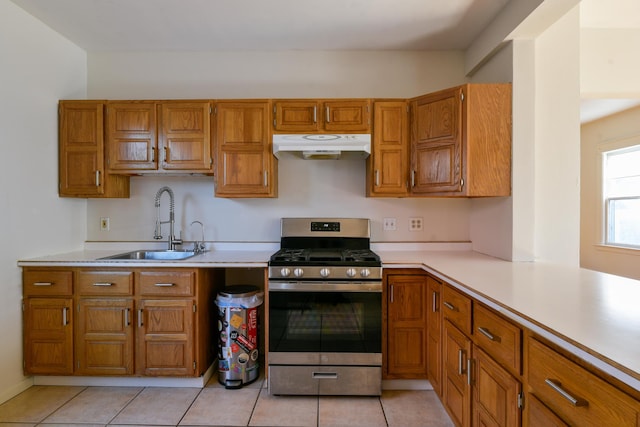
{"points": [[520, 400], [194, 365], [215, 110]]}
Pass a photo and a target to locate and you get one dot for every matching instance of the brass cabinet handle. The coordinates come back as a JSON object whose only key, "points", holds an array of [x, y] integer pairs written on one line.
{"points": [[557, 386]]}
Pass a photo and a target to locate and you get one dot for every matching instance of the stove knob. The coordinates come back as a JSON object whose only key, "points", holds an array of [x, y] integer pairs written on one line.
{"points": [[284, 272], [351, 272], [298, 272], [324, 272], [365, 272]]}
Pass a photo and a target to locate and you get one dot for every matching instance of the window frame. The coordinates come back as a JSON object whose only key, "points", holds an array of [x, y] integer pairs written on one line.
{"points": [[604, 209]]}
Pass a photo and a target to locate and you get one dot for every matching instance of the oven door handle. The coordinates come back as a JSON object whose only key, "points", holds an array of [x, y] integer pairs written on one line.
{"points": [[374, 286]]}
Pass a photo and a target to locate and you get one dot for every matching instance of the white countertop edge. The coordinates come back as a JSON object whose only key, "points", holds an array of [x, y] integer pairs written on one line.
{"points": [[587, 357]]}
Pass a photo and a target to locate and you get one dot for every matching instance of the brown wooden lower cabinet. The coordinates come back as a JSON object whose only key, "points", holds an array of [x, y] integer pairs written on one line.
{"points": [[48, 336], [406, 331], [147, 322], [496, 393], [104, 336], [456, 387]]}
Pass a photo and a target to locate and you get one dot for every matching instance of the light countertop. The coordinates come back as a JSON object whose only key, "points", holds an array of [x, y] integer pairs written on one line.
{"points": [[594, 315]]}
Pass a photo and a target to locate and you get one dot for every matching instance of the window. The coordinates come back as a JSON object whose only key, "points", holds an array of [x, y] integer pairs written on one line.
{"points": [[621, 191]]}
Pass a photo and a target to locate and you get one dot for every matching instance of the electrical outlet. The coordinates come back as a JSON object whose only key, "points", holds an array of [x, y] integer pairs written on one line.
{"points": [[415, 224], [388, 224], [104, 223]]}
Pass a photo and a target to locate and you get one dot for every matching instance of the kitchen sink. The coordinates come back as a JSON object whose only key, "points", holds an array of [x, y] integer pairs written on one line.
{"points": [[155, 255]]}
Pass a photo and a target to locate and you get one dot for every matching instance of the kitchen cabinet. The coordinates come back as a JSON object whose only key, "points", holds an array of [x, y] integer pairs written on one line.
{"points": [[141, 321], [461, 142], [321, 116], [81, 153], [104, 331], [406, 320], [434, 334], [565, 392], [159, 137], [456, 356], [388, 164], [48, 321], [482, 363], [245, 165]]}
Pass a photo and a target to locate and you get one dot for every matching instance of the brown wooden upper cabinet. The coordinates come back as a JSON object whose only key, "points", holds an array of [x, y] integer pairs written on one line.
{"points": [[245, 166], [159, 137], [388, 164], [82, 171], [321, 116], [461, 141]]}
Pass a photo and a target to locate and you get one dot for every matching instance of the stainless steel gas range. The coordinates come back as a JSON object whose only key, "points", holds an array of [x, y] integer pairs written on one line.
{"points": [[325, 309]]}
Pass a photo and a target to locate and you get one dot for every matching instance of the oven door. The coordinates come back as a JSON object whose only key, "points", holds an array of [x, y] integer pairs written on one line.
{"points": [[325, 323]]}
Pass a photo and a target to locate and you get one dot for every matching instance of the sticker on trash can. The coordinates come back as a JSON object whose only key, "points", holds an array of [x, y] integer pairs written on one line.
{"points": [[235, 321]]}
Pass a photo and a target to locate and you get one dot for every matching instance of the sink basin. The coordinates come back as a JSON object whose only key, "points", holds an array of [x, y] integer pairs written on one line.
{"points": [[158, 255]]}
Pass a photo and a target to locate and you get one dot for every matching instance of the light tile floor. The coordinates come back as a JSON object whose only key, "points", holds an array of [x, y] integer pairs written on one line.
{"points": [[215, 406]]}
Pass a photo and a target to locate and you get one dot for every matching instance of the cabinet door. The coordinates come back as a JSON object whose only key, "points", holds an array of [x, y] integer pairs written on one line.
{"points": [[537, 414], [165, 338], [104, 336], [347, 116], [244, 161], [185, 137], [296, 116], [132, 144], [48, 336], [437, 142], [434, 334], [495, 392], [82, 171], [456, 353], [406, 326], [388, 165]]}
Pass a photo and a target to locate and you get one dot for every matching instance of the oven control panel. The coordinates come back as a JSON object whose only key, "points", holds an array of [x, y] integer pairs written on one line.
{"points": [[335, 273], [325, 226]]}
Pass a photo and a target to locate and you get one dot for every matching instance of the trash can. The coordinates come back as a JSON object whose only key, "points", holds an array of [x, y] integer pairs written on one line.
{"points": [[238, 335]]}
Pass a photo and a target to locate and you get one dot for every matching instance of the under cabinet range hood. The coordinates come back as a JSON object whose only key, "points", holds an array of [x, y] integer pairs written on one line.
{"points": [[322, 146]]}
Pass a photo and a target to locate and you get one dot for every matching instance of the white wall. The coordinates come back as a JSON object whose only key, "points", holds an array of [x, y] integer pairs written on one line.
{"points": [[38, 68], [491, 221], [557, 141], [609, 63], [306, 188], [609, 133]]}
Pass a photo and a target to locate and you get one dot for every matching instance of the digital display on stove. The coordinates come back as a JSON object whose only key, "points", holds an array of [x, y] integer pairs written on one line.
{"points": [[325, 226]]}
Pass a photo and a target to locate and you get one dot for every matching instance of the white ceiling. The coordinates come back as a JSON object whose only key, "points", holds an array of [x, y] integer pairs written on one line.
{"points": [[206, 25]]}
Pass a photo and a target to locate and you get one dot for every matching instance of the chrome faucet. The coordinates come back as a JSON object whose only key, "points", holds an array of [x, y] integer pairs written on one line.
{"points": [[173, 242], [198, 246]]}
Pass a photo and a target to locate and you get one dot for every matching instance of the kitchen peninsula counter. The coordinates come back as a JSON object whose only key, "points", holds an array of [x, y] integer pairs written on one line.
{"points": [[591, 314]]}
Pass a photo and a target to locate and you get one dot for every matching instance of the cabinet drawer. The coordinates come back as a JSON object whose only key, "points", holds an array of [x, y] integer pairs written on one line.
{"points": [[457, 308], [47, 282], [105, 283], [576, 395], [498, 337], [169, 283]]}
